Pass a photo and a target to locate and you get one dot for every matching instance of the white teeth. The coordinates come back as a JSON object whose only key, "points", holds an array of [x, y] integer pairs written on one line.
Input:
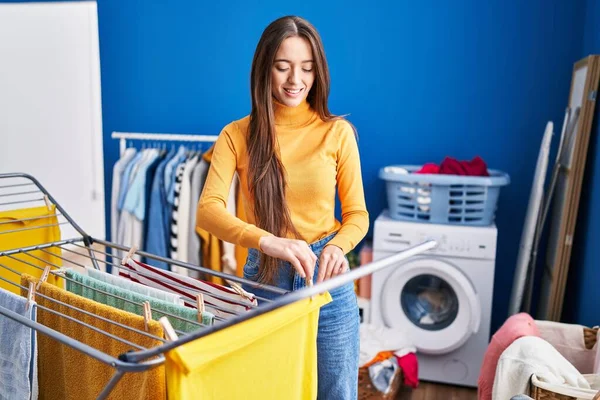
{"points": [[293, 91]]}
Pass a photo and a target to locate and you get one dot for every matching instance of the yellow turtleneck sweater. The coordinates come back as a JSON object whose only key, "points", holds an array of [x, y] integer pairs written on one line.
{"points": [[317, 155]]}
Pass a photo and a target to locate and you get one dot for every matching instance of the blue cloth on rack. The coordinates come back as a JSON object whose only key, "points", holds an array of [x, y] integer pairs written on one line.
{"points": [[135, 201], [156, 232], [150, 173], [126, 178], [18, 351]]}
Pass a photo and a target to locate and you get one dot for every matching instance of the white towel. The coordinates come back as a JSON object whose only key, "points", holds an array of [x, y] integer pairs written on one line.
{"points": [[531, 355], [375, 339], [18, 351], [135, 287]]}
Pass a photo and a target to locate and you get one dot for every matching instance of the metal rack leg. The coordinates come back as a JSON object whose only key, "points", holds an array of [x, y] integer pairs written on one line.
{"points": [[110, 385]]}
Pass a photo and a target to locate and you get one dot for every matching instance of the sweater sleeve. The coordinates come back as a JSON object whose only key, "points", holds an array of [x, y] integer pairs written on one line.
{"points": [[355, 218], [212, 214]]}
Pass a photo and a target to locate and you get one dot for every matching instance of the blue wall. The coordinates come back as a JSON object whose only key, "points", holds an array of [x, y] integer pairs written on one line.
{"points": [[583, 296], [421, 80]]}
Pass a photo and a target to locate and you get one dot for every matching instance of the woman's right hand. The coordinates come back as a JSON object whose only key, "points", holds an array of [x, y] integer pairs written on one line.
{"points": [[296, 252]]}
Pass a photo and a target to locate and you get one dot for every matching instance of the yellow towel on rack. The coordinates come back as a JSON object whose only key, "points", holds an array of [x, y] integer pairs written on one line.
{"points": [[66, 373], [272, 356], [40, 227]]}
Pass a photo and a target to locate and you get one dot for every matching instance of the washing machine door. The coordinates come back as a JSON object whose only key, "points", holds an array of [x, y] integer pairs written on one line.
{"points": [[434, 302]]}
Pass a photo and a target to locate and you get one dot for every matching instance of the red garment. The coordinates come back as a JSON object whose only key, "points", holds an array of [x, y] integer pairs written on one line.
{"points": [[429, 168], [410, 369], [475, 167], [451, 166]]}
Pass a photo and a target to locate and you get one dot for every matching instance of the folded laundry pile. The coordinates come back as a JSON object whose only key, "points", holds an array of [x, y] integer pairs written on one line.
{"points": [[385, 350]]}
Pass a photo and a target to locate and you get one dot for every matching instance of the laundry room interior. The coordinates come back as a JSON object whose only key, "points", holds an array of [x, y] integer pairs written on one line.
{"points": [[188, 188]]}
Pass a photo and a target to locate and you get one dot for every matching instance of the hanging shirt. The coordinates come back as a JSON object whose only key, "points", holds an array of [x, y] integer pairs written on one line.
{"points": [[131, 226], [125, 179], [155, 232], [197, 182], [272, 356], [183, 214], [175, 212], [118, 170]]}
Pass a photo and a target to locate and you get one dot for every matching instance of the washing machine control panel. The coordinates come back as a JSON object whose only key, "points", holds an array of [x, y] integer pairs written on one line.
{"points": [[452, 240]]}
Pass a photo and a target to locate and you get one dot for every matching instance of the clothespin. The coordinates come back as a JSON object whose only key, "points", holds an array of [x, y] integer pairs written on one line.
{"points": [[239, 290], [130, 254], [48, 203], [61, 271], [147, 314], [309, 283], [43, 278], [30, 296], [200, 304], [168, 329]]}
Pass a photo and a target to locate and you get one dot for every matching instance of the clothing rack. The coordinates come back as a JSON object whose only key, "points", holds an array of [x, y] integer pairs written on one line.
{"points": [[160, 137], [141, 358]]}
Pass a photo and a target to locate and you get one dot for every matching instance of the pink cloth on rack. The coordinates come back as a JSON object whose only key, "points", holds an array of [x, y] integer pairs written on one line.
{"points": [[514, 327], [226, 306]]}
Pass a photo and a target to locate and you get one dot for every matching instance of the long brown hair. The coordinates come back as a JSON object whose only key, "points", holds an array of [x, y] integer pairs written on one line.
{"points": [[266, 173]]}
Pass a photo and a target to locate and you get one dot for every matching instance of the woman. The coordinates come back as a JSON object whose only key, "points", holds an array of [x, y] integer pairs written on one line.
{"points": [[291, 154]]}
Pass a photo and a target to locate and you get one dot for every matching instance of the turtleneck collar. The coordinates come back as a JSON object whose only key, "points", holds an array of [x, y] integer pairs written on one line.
{"points": [[290, 116]]}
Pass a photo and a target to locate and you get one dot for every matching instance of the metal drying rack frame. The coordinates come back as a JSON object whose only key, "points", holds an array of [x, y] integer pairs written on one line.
{"points": [[143, 359]]}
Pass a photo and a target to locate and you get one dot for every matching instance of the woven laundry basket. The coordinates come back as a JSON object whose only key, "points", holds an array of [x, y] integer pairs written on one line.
{"points": [[544, 391]]}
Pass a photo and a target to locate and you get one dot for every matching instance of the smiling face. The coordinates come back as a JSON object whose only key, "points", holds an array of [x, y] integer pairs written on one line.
{"points": [[292, 74]]}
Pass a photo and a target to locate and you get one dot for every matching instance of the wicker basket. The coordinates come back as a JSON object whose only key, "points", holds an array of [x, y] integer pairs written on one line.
{"points": [[542, 391], [545, 391], [366, 390]]}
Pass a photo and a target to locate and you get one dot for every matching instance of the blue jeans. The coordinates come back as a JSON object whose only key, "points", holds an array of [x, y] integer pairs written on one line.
{"points": [[338, 334]]}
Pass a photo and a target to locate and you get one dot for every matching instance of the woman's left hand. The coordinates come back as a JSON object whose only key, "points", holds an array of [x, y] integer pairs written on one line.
{"points": [[331, 263]]}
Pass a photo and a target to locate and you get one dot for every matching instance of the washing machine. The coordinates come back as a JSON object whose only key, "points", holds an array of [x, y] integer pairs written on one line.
{"points": [[441, 299]]}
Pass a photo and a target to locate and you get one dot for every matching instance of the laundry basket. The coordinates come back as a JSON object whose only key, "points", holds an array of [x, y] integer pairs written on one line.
{"points": [[544, 391], [442, 199]]}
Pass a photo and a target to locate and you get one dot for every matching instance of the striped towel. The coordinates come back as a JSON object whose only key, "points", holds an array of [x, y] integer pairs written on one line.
{"points": [[225, 307]]}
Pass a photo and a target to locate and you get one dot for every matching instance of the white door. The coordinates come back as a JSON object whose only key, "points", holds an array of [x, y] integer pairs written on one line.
{"points": [[434, 302], [50, 105]]}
